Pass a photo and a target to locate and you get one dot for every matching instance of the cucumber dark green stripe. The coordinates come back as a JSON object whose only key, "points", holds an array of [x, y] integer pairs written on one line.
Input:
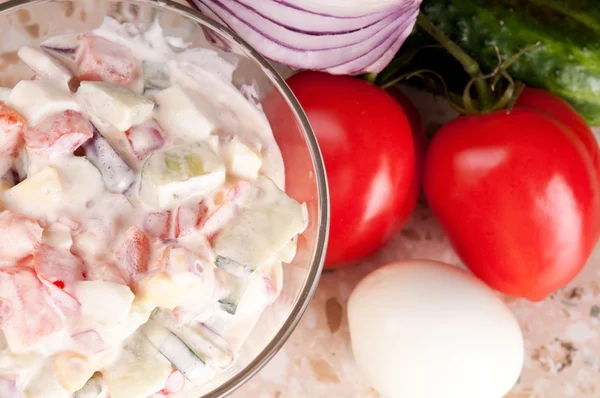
{"points": [[568, 60]]}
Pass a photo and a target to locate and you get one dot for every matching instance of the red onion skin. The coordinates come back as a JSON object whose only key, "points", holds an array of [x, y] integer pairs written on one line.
{"points": [[296, 40], [377, 60], [323, 52], [316, 60]]}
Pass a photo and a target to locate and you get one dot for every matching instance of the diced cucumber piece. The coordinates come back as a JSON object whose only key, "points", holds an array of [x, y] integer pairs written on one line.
{"points": [[184, 114], [233, 267], [267, 221], [139, 372], [37, 99], [116, 173], [104, 305], [170, 177], [115, 104], [241, 160], [35, 195], [176, 351], [206, 344], [94, 388], [156, 75], [228, 306]]}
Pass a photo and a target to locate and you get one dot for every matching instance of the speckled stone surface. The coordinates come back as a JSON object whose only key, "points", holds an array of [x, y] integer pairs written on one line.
{"points": [[562, 333]]}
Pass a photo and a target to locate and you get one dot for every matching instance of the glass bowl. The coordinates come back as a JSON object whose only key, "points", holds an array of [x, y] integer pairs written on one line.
{"points": [[24, 22]]}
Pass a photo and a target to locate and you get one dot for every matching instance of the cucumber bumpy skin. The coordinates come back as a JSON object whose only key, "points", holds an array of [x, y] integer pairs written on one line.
{"points": [[566, 63]]}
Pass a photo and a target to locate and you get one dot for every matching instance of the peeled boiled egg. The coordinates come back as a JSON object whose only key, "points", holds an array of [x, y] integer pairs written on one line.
{"points": [[424, 329]]}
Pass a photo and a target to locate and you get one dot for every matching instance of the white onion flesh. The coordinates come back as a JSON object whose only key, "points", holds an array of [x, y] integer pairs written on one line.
{"points": [[367, 49], [306, 21]]}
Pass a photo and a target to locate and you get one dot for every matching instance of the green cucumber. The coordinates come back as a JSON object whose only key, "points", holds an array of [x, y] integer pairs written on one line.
{"points": [[566, 63], [176, 351]]}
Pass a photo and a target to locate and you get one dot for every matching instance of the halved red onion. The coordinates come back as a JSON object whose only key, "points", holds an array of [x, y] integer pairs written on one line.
{"points": [[366, 49], [304, 59], [376, 60], [300, 40], [306, 21]]}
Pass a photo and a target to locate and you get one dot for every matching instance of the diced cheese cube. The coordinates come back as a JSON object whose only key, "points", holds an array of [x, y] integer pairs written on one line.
{"points": [[45, 67], [45, 385], [161, 290], [104, 307], [72, 370], [4, 93], [267, 221], [115, 104], [35, 195], [185, 115], [37, 99], [170, 177], [139, 372], [241, 160]]}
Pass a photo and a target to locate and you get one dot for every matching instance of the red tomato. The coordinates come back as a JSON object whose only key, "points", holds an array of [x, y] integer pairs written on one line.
{"points": [[99, 59], [367, 145], [62, 132], [518, 194]]}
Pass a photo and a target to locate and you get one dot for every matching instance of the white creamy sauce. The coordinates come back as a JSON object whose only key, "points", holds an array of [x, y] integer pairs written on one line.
{"points": [[144, 223]]}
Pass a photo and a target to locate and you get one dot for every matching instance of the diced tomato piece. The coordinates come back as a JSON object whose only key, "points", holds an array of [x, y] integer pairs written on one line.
{"points": [[58, 266], [99, 59], [159, 225], [145, 138], [20, 236], [175, 383], [190, 218], [104, 271], [63, 132], [133, 256], [12, 125], [25, 314]]}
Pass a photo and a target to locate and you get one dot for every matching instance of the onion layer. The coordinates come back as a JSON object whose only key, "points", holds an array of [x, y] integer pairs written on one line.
{"points": [[345, 43]]}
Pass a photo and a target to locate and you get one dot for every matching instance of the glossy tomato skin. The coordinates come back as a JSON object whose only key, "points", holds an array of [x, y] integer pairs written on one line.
{"points": [[367, 146], [558, 109], [518, 196]]}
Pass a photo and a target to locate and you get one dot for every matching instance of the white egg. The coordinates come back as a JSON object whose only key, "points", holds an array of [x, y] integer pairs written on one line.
{"points": [[423, 329]]}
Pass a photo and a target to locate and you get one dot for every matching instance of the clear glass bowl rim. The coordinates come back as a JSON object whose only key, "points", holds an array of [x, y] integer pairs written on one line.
{"points": [[316, 267]]}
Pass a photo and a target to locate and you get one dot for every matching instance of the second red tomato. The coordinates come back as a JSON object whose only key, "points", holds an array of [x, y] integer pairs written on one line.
{"points": [[367, 145]]}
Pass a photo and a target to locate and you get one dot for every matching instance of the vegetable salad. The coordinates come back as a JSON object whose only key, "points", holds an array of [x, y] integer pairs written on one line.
{"points": [[143, 221]]}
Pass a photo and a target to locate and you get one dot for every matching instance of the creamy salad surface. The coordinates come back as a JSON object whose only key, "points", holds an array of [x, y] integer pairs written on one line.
{"points": [[143, 218]]}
